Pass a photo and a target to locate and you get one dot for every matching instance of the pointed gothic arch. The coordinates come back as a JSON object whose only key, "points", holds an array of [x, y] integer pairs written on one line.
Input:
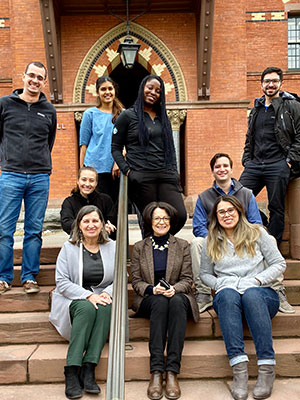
{"points": [[105, 49]]}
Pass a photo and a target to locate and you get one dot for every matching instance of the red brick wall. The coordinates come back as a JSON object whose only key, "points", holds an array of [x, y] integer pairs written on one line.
{"points": [[64, 157], [209, 132], [228, 74], [239, 47]]}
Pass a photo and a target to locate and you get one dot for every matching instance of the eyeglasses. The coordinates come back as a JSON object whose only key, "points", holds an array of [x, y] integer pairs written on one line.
{"points": [[40, 78], [274, 81], [158, 219], [229, 211]]}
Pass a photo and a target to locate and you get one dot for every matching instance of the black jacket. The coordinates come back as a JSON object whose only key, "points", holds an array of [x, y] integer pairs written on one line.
{"points": [[27, 133], [126, 133], [72, 204], [287, 129]]}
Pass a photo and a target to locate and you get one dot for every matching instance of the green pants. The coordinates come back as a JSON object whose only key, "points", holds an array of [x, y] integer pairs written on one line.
{"points": [[89, 332]]}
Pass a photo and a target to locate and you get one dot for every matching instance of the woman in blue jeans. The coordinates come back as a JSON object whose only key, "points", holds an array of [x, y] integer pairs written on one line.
{"points": [[240, 261]]}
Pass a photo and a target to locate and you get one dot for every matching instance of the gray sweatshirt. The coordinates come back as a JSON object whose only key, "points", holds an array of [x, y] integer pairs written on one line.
{"points": [[240, 273]]}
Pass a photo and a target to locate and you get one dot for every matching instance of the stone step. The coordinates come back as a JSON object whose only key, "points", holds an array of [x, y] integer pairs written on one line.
{"points": [[48, 254], [200, 359], [33, 327], [16, 300], [190, 390], [46, 275]]}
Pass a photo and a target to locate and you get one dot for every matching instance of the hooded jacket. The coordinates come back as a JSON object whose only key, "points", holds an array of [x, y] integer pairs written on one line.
{"points": [[286, 129], [27, 133]]}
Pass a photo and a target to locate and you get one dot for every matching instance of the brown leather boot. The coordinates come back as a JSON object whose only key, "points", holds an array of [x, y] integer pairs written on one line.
{"points": [[173, 391], [155, 391]]}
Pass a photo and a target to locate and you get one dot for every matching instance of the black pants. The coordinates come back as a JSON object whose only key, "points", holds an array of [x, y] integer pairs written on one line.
{"points": [[145, 187], [108, 185], [275, 177], [167, 316]]}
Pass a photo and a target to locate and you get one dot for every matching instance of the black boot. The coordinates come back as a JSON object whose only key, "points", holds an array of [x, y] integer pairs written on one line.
{"points": [[87, 378], [73, 388]]}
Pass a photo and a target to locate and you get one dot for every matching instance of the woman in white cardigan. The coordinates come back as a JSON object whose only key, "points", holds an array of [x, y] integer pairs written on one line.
{"points": [[81, 302], [240, 261]]}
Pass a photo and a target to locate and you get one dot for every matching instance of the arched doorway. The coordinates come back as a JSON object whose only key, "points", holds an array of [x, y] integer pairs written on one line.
{"points": [[129, 81]]}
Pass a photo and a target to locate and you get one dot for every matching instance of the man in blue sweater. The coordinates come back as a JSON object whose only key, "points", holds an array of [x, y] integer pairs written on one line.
{"points": [[221, 166]]}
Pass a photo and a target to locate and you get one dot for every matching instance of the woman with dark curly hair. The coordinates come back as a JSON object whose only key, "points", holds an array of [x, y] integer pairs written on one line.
{"points": [[150, 161], [163, 281]]}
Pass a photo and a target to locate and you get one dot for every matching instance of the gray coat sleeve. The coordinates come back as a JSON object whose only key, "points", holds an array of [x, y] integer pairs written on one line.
{"points": [[207, 268], [275, 263]]}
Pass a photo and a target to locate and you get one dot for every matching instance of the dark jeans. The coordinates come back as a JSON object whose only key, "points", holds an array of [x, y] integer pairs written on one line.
{"points": [[145, 187], [108, 185], [275, 177], [167, 316]]}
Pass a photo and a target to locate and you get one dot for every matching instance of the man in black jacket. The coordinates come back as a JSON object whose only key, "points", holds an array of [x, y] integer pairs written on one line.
{"points": [[27, 133], [272, 148]]}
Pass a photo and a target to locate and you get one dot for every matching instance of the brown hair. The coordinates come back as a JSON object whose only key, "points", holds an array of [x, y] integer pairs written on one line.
{"points": [[84, 168], [77, 236], [148, 211], [245, 234], [117, 105]]}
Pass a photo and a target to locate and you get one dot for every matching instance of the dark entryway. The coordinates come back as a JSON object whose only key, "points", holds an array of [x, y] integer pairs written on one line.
{"points": [[129, 81]]}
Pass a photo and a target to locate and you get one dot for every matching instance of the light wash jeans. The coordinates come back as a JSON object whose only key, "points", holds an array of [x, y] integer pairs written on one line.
{"points": [[34, 189], [259, 305]]}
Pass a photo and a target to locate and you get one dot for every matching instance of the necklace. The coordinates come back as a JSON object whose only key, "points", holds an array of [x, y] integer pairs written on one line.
{"points": [[160, 247]]}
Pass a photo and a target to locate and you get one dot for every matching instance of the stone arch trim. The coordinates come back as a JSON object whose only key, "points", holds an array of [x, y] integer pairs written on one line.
{"points": [[138, 33]]}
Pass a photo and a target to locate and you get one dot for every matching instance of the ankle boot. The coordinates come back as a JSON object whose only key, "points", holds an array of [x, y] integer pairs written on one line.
{"points": [[173, 391], [73, 388], [155, 391], [265, 380], [239, 388], [87, 378]]}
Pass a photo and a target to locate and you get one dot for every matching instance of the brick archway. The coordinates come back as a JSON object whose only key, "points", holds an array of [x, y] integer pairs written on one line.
{"points": [[154, 55]]}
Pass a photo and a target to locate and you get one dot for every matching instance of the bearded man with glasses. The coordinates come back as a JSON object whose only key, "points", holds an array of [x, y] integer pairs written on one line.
{"points": [[272, 148], [27, 133]]}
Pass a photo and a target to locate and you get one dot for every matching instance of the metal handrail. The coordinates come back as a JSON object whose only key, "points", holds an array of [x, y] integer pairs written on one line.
{"points": [[115, 388]]}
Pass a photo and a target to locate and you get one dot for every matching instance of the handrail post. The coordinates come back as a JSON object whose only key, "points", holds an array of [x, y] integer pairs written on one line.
{"points": [[115, 388]]}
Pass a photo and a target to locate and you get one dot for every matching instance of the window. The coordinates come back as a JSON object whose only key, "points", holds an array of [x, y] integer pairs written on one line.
{"points": [[294, 42]]}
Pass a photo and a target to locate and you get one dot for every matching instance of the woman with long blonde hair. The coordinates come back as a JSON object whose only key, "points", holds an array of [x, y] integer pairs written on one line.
{"points": [[240, 261]]}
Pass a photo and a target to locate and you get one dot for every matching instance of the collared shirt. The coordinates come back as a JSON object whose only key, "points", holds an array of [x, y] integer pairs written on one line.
{"points": [[200, 218]]}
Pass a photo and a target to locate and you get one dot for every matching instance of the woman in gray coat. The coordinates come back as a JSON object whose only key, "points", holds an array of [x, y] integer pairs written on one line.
{"points": [[240, 261], [163, 281], [81, 302]]}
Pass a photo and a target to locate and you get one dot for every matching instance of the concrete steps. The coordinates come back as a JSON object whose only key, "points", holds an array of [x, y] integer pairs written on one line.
{"points": [[34, 327], [43, 363], [32, 354], [191, 390]]}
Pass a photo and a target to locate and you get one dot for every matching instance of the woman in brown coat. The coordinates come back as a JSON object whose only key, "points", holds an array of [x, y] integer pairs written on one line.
{"points": [[162, 279]]}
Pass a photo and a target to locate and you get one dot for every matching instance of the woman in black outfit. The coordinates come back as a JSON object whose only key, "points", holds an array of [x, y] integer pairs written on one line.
{"points": [[85, 193], [163, 256], [150, 162]]}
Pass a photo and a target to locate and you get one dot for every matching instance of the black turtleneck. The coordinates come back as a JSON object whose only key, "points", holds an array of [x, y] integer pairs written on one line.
{"points": [[160, 257]]}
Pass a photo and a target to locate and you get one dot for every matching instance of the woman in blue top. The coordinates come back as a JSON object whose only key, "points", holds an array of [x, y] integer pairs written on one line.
{"points": [[95, 136]]}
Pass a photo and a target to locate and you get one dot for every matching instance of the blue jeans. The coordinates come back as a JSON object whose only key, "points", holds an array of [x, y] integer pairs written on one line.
{"points": [[34, 189], [259, 305]]}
